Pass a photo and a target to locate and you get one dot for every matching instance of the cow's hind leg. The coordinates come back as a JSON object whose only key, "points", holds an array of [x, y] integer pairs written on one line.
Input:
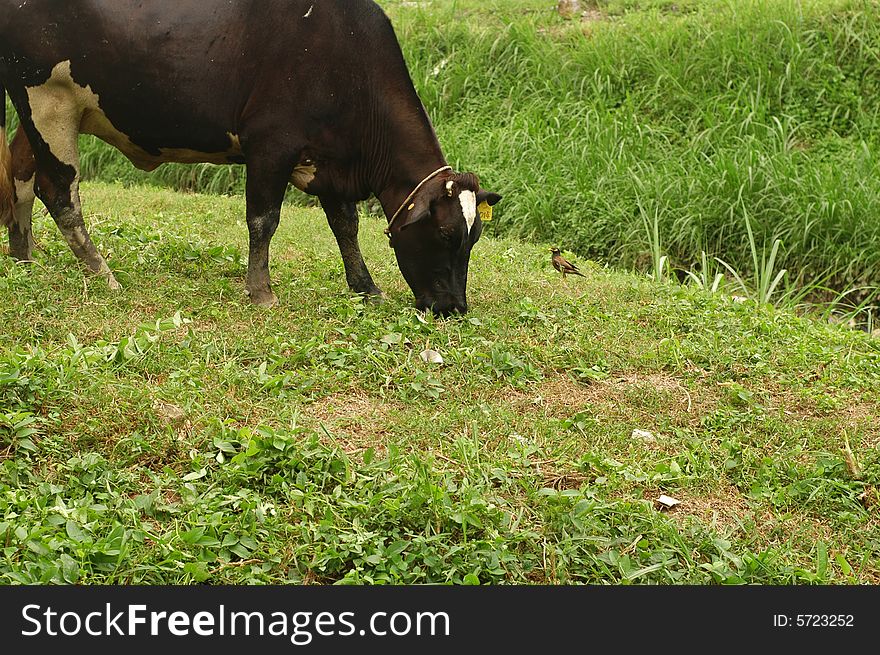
{"points": [[343, 220], [52, 132], [266, 184], [60, 194], [21, 240]]}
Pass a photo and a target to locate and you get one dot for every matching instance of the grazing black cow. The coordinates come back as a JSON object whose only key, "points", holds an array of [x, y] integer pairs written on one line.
{"points": [[310, 92]]}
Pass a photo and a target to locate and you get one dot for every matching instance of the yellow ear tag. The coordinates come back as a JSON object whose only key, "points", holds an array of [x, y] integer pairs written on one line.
{"points": [[485, 211]]}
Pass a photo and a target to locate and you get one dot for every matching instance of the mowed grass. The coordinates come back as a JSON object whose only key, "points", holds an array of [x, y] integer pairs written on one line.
{"points": [[173, 433]]}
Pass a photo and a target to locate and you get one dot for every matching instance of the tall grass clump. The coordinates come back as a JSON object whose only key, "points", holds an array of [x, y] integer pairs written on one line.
{"points": [[769, 108], [767, 276]]}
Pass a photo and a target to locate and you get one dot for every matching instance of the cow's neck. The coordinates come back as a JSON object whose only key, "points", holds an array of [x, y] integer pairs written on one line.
{"points": [[414, 154]]}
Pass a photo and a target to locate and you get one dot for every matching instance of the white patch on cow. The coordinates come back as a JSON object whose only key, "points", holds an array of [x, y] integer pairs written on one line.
{"points": [[57, 106], [303, 175], [24, 203], [24, 189], [468, 200], [80, 235], [309, 12], [61, 109]]}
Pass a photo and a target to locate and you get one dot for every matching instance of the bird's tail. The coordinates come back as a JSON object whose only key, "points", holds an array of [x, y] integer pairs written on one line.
{"points": [[7, 185]]}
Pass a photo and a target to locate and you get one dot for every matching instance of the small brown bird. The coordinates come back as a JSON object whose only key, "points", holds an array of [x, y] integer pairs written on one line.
{"points": [[562, 265]]}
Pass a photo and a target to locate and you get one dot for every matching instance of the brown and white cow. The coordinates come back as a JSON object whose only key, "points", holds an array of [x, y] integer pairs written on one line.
{"points": [[310, 92]]}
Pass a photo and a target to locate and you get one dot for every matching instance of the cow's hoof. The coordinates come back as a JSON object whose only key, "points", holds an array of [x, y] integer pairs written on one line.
{"points": [[265, 299], [105, 272], [372, 296], [21, 256]]}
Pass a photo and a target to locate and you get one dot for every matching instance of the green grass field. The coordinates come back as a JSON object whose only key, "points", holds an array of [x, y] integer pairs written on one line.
{"points": [[172, 433]]}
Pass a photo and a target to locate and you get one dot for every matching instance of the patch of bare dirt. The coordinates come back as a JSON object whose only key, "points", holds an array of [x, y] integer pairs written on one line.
{"points": [[863, 418], [730, 513], [562, 396], [355, 421], [856, 417], [723, 510], [853, 413]]}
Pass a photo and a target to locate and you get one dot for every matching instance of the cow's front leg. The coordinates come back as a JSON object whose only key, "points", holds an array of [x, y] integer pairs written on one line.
{"points": [[266, 185], [343, 220]]}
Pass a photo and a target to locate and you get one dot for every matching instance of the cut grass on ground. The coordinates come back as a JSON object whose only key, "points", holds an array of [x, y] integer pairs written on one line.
{"points": [[172, 433]]}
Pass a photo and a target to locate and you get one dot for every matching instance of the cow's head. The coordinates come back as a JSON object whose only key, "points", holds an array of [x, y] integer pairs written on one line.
{"points": [[433, 240]]}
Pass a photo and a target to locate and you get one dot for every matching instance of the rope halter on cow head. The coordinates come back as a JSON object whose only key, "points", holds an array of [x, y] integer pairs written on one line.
{"points": [[406, 203]]}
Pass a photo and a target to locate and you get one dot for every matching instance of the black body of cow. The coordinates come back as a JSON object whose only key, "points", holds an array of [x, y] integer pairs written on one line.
{"points": [[313, 92]]}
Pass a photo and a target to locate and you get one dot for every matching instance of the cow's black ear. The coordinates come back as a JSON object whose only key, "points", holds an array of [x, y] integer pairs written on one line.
{"points": [[417, 211], [488, 197]]}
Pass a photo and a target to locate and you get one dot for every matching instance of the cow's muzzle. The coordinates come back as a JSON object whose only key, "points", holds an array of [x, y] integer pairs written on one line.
{"points": [[444, 307]]}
